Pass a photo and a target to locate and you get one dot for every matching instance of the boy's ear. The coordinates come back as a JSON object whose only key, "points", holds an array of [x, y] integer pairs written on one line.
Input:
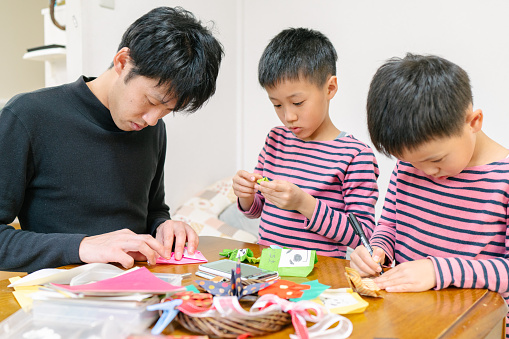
{"points": [[332, 87], [121, 59], [474, 120]]}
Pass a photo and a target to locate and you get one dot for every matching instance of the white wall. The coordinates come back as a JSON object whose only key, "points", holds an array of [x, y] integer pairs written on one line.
{"points": [[201, 146], [473, 34], [229, 132]]}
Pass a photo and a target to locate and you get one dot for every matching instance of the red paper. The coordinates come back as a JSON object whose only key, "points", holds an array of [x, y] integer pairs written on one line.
{"points": [[138, 281]]}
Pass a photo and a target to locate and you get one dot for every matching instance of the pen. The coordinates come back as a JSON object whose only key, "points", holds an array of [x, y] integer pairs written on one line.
{"points": [[358, 229]]}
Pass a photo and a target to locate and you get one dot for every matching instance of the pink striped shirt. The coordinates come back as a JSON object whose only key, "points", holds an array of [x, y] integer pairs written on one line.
{"points": [[341, 174], [460, 223]]}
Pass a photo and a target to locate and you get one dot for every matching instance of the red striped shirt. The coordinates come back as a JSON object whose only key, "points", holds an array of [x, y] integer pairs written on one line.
{"points": [[460, 223], [341, 174]]}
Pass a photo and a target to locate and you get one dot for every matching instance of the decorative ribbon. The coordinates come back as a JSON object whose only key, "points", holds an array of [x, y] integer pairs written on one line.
{"points": [[301, 312]]}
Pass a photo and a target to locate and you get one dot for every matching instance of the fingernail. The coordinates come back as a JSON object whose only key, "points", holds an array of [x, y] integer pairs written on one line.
{"points": [[178, 255], [376, 258]]}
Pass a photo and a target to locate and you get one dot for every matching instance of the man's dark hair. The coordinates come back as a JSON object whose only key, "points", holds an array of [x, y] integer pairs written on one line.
{"points": [[415, 100], [297, 53], [170, 45]]}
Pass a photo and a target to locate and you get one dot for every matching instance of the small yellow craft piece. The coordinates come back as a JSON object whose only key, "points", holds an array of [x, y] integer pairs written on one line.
{"points": [[262, 179]]}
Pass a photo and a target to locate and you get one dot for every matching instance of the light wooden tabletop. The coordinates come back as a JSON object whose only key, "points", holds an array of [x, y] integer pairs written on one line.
{"points": [[449, 313]]}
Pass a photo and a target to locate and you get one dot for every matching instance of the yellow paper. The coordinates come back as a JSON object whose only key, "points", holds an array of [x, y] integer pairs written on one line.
{"points": [[22, 294], [342, 301]]}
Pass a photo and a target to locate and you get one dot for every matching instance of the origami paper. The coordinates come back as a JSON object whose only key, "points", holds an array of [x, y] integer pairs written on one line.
{"points": [[135, 281], [186, 258], [233, 287], [285, 289], [242, 254], [363, 286], [315, 290], [288, 262]]}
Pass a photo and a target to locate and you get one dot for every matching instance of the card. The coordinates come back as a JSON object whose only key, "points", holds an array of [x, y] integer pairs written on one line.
{"points": [[288, 262]]}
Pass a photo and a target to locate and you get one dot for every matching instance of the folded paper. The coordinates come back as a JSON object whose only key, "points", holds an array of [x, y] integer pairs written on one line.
{"points": [[186, 259], [233, 287]]}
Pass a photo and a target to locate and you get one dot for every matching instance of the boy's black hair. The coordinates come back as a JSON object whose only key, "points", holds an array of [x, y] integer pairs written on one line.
{"points": [[415, 100], [170, 45], [297, 53]]}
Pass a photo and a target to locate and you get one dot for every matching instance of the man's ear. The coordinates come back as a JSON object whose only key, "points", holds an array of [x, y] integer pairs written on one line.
{"points": [[332, 87], [474, 120], [121, 60]]}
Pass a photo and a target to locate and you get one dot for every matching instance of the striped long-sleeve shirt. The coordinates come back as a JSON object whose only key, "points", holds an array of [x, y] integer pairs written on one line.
{"points": [[341, 174], [460, 223]]}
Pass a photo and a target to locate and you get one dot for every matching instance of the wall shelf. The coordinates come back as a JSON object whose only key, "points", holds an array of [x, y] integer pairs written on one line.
{"points": [[46, 54]]}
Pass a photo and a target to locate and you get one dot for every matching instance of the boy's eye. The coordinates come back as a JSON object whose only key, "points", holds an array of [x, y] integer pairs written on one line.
{"points": [[298, 103], [438, 160], [277, 106]]}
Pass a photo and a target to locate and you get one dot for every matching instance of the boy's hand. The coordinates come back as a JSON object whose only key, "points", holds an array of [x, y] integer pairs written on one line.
{"points": [[244, 188], [410, 276], [366, 264], [287, 196]]}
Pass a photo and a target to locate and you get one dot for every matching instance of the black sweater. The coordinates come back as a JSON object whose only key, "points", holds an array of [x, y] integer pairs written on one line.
{"points": [[67, 172]]}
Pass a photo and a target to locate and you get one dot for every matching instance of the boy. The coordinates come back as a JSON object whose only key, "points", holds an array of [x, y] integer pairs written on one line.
{"points": [[82, 164], [317, 173], [445, 215]]}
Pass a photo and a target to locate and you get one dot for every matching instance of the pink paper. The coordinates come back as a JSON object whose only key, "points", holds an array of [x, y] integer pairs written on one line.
{"points": [[137, 281], [186, 259]]}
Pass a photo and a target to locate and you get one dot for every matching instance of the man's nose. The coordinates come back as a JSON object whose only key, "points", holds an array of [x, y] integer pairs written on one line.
{"points": [[152, 116]]}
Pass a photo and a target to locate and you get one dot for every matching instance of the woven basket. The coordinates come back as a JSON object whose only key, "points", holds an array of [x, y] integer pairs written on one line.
{"points": [[233, 327]]}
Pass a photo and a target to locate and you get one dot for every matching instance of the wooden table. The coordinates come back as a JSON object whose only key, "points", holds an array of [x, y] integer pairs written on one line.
{"points": [[449, 313]]}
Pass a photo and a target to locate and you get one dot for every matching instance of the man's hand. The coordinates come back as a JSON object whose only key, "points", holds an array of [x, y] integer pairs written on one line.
{"points": [[244, 188], [179, 232], [410, 276], [288, 196], [364, 263], [123, 247]]}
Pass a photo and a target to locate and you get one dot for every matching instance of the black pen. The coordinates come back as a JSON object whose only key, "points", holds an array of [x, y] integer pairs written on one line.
{"points": [[358, 229]]}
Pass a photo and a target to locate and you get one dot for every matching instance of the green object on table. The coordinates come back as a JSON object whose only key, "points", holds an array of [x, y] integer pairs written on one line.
{"points": [[288, 262], [245, 255], [262, 179]]}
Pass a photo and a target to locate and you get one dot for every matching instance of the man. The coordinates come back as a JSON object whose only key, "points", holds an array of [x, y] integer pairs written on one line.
{"points": [[81, 165]]}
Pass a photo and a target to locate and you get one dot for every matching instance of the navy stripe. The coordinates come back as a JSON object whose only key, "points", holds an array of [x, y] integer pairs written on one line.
{"points": [[474, 275], [341, 148], [442, 193], [433, 246], [318, 242], [447, 216], [495, 269], [485, 271], [460, 264], [440, 274]]}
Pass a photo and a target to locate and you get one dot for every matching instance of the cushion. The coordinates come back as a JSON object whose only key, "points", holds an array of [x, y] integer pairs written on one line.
{"points": [[202, 212]]}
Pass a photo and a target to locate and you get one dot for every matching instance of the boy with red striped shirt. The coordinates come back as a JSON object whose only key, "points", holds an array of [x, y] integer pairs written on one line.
{"points": [[446, 211], [317, 173]]}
